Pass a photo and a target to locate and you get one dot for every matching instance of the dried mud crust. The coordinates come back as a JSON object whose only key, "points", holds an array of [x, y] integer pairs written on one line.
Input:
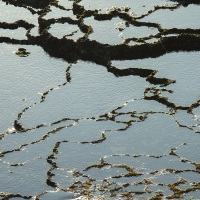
{"points": [[103, 54]]}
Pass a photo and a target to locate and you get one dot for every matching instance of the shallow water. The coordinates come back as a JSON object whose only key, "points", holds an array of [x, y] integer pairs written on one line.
{"points": [[100, 101]]}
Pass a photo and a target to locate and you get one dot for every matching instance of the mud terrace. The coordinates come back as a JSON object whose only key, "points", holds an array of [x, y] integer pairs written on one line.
{"points": [[144, 147]]}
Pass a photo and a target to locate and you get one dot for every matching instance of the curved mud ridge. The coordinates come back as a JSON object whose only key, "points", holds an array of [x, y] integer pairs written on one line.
{"points": [[116, 173]]}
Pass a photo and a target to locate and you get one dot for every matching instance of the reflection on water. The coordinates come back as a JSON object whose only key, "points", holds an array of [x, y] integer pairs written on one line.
{"points": [[105, 106]]}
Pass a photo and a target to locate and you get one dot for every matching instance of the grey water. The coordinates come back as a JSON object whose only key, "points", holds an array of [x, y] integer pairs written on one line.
{"points": [[79, 113]]}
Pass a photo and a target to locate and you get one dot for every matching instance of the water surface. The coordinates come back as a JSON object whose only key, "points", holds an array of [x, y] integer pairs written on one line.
{"points": [[99, 100]]}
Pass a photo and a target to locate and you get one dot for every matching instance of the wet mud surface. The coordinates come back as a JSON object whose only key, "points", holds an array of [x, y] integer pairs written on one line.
{"points": [[110, 129]]}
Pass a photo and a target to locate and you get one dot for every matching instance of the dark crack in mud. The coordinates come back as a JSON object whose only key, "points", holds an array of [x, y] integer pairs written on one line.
{"points": [[134, 150]]}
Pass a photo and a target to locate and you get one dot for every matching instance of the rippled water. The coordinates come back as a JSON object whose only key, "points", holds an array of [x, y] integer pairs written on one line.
{"points": [[99, 100]]}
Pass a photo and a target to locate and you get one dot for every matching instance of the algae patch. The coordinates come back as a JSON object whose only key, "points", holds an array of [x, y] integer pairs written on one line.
{"points": [[22, 52]]}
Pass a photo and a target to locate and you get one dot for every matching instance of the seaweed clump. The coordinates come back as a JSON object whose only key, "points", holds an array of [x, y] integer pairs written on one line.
{"points": [[22, 52]]}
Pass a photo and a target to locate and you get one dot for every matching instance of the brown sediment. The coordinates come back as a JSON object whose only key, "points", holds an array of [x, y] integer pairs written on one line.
{"points": [[34, 4], [17, 24], [187, 2], [6, 196], [22, 52]]}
